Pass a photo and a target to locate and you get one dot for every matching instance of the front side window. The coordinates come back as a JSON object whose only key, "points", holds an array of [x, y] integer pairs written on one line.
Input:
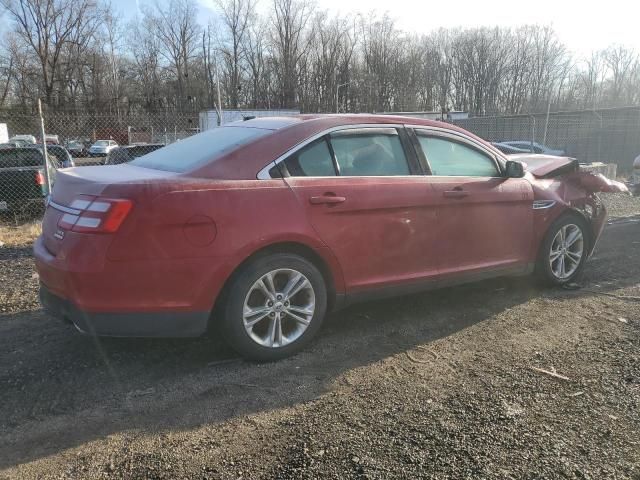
{"points": [[369, 154], [449, 158], [314, 160]]}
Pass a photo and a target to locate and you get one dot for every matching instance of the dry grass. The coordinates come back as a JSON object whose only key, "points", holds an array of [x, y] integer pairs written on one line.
{"points": [[19, 235]]}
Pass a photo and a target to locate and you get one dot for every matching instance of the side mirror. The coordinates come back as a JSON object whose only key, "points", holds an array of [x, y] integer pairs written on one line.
{"points": [[514, 169]]}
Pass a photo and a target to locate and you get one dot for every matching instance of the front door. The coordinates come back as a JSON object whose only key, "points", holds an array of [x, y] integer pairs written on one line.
{"points": [[485, 220]]}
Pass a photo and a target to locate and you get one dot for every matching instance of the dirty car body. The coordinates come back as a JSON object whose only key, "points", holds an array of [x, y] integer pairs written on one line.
{"points": [[360, 206]]}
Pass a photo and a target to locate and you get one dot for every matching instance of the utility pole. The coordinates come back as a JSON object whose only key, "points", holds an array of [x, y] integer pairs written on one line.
{"points": [[337, 92]]}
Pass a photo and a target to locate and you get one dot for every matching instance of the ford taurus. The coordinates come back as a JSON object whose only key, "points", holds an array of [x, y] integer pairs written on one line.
{"points": [[260, 227]]}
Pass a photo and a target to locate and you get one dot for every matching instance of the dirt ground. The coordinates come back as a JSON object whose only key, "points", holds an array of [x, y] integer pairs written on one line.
{"points": [[436, 385]]}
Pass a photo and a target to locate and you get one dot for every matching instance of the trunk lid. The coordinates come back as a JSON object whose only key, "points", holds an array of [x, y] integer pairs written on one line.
{"points": [[120, 181]]}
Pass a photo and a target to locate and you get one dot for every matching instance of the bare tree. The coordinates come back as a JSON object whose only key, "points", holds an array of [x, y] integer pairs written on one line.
{"points": [[47, 26], [290, 20], [237, 16], [178, 36]]}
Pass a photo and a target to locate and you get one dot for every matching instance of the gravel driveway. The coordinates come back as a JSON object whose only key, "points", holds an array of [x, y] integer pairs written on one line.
{"points": [[500, 379]]}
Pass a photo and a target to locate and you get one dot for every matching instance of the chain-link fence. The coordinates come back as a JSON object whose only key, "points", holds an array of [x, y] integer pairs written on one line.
{"points": [[74, 139], [81, 139], [608, 135]]}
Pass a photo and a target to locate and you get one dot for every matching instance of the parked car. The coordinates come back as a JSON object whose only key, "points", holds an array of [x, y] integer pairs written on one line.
{"points": [[534, 147], [261, 227], [22, 178], [23, 138], [101, 148], [52, 139], [77, 148], [14, 144], [127, 153], [508, 149], [58, 155]]}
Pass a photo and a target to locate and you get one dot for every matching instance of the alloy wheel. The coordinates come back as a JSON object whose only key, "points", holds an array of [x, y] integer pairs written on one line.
{"points": [[567, 249], [278, 308]]}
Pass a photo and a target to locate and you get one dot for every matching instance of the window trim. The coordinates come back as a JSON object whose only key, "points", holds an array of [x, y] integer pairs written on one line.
{"points": [[457, 137], [263, 174]]}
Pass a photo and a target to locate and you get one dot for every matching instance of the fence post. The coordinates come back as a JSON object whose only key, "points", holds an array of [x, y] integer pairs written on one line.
{"points": [[533, 132], [47, 179], [546, 122]]}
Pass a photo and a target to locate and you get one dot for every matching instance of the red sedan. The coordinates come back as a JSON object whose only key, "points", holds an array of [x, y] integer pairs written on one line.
{"points": [[261, 227]]}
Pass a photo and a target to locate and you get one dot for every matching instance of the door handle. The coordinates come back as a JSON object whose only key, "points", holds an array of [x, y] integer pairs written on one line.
{"points": [[326, 199], [455, 193]]}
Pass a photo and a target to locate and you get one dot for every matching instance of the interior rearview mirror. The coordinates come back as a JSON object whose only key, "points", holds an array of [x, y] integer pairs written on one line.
{"points": [[514, 169]]}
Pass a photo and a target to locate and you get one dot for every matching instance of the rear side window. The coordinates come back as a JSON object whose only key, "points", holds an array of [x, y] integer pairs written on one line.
{"points": [[194, 151], [452, 159], [21, 158], [314, 160], [375, 153]]}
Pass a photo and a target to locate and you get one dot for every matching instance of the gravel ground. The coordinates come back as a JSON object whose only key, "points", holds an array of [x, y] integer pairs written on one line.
{"points": [[436, 385]]}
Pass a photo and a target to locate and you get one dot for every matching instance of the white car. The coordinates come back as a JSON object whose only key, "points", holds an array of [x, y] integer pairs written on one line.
{"points": [[534, 147], [23, 138], [101, 148]]}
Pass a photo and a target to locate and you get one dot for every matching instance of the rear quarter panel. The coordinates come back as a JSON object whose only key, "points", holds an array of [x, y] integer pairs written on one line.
{"points": [[205, 229]]}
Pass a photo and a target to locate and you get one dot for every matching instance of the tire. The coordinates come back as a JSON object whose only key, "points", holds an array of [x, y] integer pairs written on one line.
{"points": [[252, 331], [551, 271]]}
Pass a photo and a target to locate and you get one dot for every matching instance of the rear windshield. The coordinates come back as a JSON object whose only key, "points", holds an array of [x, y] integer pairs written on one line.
{"points": [[27, 157], [191, 152]]}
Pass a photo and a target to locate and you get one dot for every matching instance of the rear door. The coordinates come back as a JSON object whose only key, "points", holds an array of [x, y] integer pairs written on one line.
{"points": [[485, 220], [365, 198]]}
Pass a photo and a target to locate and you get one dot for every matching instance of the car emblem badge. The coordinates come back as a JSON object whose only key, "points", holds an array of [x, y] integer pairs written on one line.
{"points": [[59, 234]]}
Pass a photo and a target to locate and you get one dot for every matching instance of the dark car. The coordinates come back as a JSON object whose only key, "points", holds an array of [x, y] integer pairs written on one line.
{"points": [[508, 149], [259, 228], [58, 155], [77, 148], [22, 178], [127, 153]]}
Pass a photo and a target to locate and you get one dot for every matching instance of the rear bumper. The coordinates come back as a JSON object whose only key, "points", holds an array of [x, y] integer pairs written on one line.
{"points": [[135, 324]]}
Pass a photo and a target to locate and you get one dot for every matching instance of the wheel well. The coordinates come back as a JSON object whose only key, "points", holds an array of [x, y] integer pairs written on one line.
{"points": [[286, 247]]}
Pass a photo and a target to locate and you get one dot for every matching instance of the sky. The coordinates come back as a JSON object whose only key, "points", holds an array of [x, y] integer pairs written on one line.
{"points": [[582, 25]]}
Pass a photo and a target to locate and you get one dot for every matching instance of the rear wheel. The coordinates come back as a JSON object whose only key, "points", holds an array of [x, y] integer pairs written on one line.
{"points": [[274, 306], [564, 251]]}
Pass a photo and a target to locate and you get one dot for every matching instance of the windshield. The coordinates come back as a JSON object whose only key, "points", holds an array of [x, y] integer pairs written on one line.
{"points": [[206, 146]]}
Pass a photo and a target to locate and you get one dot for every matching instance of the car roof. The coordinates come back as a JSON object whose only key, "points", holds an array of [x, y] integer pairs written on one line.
{"points": [[143, 145], [246, 161], [329, 120]]}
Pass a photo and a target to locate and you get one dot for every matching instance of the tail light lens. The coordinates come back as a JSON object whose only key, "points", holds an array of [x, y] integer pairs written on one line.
{"points": [[97, 215], [39, 178]]}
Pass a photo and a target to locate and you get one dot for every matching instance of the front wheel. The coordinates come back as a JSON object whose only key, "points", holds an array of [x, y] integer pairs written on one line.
{"points": [[274, 306], [564, 251]]}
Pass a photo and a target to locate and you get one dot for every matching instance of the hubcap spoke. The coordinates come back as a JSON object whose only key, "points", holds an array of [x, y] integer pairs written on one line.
{"points": [[254, 315], [554, 255], [574, 256], [573, 238], [298, 318]]}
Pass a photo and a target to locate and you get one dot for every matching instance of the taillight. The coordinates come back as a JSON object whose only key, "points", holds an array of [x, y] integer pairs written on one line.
{"points": [[96, 215], [39, 178]]}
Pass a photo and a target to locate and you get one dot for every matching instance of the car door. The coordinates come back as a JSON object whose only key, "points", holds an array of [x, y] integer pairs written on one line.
{"points": [[485, 220], [365, 197]]}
